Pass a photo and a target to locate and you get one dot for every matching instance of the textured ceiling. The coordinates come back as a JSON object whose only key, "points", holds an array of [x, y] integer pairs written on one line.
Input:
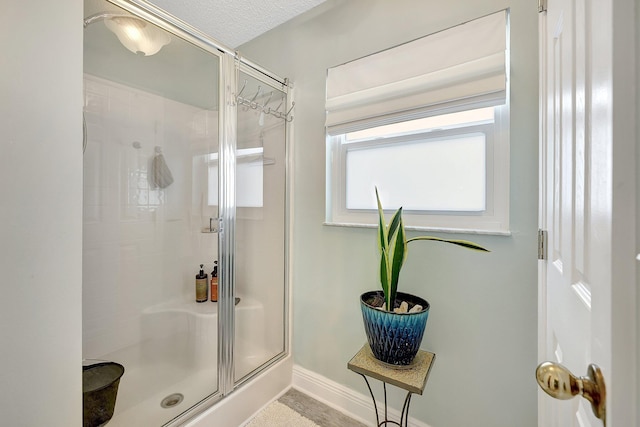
{"points": [[234, 22]]}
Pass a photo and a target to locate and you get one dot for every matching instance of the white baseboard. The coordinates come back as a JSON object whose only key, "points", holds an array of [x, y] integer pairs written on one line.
{"points": [[350, 402]]}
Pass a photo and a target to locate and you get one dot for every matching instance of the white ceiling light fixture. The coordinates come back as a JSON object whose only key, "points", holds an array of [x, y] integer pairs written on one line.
{"points": [[137, 35]]}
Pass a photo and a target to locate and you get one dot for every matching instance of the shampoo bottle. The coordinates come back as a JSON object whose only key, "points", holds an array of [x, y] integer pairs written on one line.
{"points": [[201, 285], [214, 282]]}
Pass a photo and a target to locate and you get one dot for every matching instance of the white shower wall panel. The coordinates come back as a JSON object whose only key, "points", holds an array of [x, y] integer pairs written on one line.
{"points": [[142, 245]]}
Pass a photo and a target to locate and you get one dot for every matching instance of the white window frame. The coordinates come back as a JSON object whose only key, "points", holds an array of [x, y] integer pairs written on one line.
{"points": [[493, 220]]}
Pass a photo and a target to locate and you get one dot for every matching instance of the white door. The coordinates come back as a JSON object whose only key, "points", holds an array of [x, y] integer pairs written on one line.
{"points": [[587, 205]]}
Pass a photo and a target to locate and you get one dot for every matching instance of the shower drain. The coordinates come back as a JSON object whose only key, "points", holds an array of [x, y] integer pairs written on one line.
{"points": [[171, 400]]}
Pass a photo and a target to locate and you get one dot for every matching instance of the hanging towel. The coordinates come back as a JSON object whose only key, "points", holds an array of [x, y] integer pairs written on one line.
{"points": [[160, 173]]}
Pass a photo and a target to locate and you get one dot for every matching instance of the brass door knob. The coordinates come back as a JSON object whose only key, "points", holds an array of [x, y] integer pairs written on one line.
{"points": [[558, 382]]}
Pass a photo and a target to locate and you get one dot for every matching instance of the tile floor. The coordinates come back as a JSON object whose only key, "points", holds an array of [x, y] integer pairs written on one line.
{"points": [[316, 411]]}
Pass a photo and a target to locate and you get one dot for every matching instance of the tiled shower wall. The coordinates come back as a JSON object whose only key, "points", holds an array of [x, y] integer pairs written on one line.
{"points": [[142, 246]]}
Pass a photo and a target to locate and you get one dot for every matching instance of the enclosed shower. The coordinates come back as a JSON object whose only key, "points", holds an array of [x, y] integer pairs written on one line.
{"points": [[185, 164]]}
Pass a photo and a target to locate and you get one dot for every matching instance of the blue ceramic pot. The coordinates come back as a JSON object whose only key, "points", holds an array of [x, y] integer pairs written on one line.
{"points": [[394, 338]]}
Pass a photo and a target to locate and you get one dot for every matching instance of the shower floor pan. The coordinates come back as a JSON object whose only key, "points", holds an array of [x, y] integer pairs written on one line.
{"points": [[180, 357]]}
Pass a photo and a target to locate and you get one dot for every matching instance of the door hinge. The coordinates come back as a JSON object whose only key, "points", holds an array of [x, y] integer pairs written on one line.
{"points": [[542, 244], [542, 6]]}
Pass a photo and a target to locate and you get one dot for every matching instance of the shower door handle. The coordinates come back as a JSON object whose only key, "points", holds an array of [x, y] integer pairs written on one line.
{"points": [[212, 228]]}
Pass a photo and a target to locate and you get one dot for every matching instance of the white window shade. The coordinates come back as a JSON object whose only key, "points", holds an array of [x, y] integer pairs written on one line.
{"points": [[464, 64]]}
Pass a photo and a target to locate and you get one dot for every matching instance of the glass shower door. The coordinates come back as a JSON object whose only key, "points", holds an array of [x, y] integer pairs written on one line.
{"points": [[151, 141], [260, 266]]}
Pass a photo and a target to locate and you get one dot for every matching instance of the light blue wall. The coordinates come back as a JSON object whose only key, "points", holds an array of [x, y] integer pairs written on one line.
{"points": [[483, 319], [40, 213]]}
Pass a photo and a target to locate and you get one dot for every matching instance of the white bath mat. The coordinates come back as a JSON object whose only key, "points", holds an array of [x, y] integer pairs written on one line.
{"points": [[279, 415]]}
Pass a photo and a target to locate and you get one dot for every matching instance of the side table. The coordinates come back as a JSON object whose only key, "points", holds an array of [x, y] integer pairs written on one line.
{"points": [[412, 378]]}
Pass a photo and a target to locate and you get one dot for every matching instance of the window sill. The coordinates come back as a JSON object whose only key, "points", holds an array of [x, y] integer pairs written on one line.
{"points": [[429, 229]]}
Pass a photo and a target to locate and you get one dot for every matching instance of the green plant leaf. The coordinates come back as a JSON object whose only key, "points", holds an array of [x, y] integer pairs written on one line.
{"points": [[392, 245], [398, 254], [382, 227], [464, 243], [396, 221], [384, 275]]}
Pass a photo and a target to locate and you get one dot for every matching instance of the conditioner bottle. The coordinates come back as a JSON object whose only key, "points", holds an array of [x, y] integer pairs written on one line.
{"points": [[214, 282], [201, 285]]}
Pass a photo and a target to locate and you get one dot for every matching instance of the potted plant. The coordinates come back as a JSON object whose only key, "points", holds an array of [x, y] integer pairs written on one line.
{"points": [[395, 321]]}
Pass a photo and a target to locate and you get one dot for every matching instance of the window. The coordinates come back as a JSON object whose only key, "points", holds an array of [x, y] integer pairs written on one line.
{"points": [[249, 177], [431, 135]]}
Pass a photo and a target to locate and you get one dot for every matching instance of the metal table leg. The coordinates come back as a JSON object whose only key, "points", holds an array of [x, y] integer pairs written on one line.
{"points": [[404, 416], [375, 407], [405, 410]]}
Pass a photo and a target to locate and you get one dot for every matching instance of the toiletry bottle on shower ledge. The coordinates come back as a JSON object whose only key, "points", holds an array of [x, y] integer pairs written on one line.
{"points": [[214, 282], [201, 285]]}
